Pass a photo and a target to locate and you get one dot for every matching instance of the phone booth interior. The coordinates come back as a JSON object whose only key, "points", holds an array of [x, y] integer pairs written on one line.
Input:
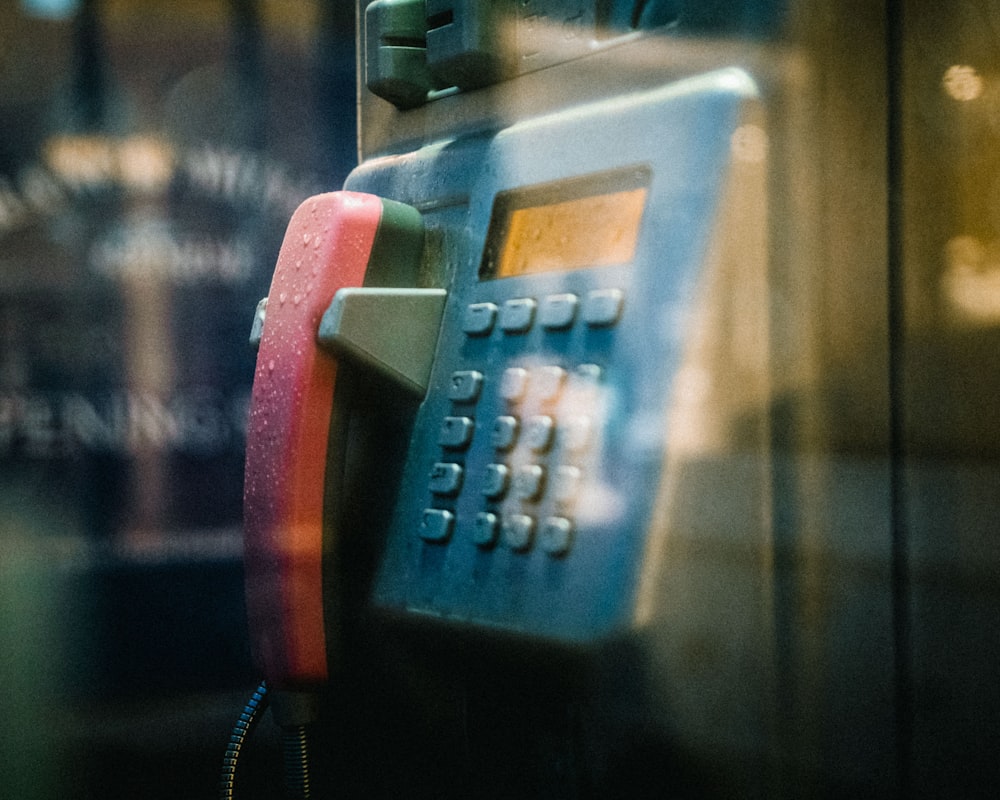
{"points": [[657, 459]]}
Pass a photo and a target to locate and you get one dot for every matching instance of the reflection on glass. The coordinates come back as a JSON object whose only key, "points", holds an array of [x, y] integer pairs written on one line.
{"points": [[749, 144], [971, 284], [140, 162], [150, 156]]}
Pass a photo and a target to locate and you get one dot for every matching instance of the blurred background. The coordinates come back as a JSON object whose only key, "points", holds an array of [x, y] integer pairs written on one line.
{"points": [[151, 153]]}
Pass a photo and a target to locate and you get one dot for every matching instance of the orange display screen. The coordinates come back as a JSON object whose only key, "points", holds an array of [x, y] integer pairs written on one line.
{"points": [[576, 224]]}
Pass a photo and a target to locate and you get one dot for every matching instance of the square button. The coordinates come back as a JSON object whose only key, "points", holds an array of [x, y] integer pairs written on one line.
{"points": [[446, 479], [566, 484], [557, 311], [456, 432], [517, 315], [513, 384], [576, 433], [504, 432], [603, 307], [538, 432], [436, 525], [529, 481], [479, 318], [518, 531], [485, 529], [465, 386], [556, 536], [495, 480], [588, 374], [547, 383]]}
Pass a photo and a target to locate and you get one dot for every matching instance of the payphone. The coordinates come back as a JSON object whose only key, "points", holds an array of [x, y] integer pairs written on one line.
{"points": [[565, 476]]}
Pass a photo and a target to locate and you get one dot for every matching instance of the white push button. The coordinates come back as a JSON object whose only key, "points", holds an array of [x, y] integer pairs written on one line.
{"points": [[603, 307], [576, 433], [538, 433], [529, 482], [547, 383], [513, 384], [565, 484]]}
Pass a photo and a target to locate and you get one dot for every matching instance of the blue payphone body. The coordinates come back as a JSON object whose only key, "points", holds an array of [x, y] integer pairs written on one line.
{"points": [[528, 497]]}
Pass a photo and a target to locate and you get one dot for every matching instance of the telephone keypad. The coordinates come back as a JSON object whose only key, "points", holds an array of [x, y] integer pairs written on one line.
{"points": [[538, 440], [525, 503]]}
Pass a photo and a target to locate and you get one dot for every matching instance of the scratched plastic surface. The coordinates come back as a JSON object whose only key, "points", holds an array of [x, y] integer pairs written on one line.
{"points": [[327, 246]]}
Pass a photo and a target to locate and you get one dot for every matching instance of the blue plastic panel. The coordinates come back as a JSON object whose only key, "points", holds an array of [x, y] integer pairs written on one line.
{"points": [[603, 381]]}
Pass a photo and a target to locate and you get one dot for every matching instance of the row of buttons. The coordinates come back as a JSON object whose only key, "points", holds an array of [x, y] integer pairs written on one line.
{"points": [[527, 483], [517, 531], [544, 384], [537, 432], [599, 308]]}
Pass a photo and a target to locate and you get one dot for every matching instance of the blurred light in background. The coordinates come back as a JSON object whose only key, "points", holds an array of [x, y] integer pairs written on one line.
{"points": [[50, 9], [962, 82]]}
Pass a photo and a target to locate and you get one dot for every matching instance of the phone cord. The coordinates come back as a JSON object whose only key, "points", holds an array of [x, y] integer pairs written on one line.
{"points": [[296, 753], [241, 730]]}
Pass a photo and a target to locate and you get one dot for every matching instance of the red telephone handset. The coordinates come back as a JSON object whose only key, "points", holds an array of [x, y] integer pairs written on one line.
{"points": [[327, 246]]}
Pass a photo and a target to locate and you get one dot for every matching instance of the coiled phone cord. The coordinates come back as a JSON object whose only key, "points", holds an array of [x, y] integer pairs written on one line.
{"points": [[241, 730], [294, 744], [296, 753]]}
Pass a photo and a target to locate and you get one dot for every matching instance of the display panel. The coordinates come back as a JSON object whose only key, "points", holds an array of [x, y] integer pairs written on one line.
{"points": [[591, 221]]}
